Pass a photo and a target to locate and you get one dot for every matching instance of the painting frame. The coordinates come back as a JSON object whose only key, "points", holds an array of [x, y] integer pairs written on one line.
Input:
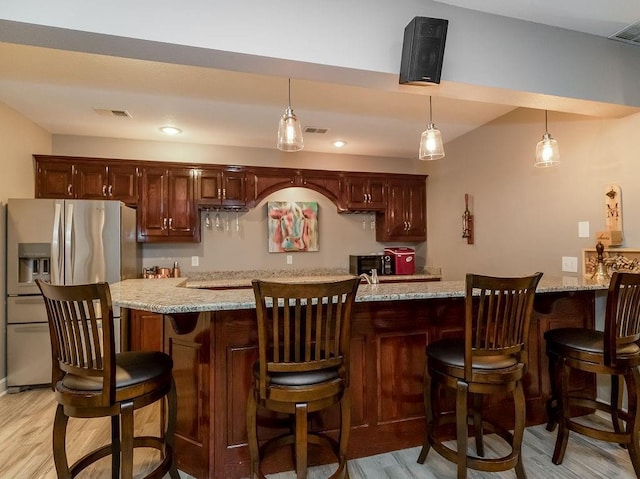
{"points": [[292, 226]]}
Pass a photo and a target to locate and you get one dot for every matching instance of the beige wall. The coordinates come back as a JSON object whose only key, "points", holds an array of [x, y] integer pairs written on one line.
{"points": [[526, 219], [19, 139]]}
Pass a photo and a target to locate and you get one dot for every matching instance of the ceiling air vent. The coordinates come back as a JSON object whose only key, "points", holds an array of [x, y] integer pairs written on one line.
{"points": [[630, 34], [109, 112], [315, 129]]}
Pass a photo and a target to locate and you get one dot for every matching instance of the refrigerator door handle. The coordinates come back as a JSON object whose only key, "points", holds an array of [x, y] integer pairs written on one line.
{"points": [[57, 267], [69, 246]]}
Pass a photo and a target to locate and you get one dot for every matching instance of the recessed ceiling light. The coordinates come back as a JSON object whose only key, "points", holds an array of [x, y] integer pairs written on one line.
{"points": [[339, 143], [170, 130]]}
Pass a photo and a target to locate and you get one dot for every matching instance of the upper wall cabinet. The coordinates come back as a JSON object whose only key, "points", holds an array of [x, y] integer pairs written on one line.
{"points": [[54, 178], [405, 216], [221, 187], [364, 192], [86, 179], [167, 211]]}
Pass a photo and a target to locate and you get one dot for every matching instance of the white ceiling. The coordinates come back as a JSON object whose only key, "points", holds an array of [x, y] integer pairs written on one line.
{"points": [[59, 90]]}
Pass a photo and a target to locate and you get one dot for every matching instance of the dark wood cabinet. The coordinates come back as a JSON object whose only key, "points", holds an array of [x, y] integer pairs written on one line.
{"points": [[405, 216], [365, 192], [95, 181], [261, 182], [168, 195], [146, 331], [86, 179], [221, 188], [166, 210], [54, 179]]}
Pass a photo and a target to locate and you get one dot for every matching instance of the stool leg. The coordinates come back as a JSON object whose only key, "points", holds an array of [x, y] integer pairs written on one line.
{"points": [[252, 433], [616, 403], [345, 428], [170, 432], [552, 402], [563, 413], [461, 427], [428, 412], [477, 424], [633, 422], [115, 447], [126, 418], [59, 443], [301, 440], [520, 405]]}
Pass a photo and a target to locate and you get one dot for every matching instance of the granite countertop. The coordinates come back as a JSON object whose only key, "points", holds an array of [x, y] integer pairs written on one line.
{"points": [[181, 295]]}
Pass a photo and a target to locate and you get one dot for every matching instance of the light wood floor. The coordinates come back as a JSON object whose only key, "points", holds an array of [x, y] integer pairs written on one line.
{"points": [[25, 450]]}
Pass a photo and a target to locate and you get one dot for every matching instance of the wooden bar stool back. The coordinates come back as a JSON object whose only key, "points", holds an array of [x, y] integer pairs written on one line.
{"points": [[614, 352], [91, 380], [491, 359], [304, 334]]}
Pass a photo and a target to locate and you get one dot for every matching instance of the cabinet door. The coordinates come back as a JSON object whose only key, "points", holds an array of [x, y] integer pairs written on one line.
{"points": [[123, 184], [220, 188], [91, 181], [405, 216], [365, 193], [182, 221], [208, 187], [54, 179], [234, 191], [146, 331], [152, 216]]}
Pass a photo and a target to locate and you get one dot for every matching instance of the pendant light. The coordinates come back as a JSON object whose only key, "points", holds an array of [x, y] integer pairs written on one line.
{"points": [[547, 153], [431, 147], [289, 131]]}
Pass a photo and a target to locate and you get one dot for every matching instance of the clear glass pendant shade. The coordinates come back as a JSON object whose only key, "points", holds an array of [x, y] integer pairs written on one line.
{"points": [[547, 152], [289, 132], [431, 147]]}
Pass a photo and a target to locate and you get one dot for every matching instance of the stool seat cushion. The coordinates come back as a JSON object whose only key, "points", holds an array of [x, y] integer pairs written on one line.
{"points": [[450, 354], [578, 340], [304, 378], [132, 368]]}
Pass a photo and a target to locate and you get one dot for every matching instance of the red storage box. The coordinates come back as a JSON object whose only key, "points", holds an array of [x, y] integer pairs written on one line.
{"points": [[403, 260]]}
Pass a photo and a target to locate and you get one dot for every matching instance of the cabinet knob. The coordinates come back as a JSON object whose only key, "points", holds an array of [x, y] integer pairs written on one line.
{"points": [[164, 223], [224, 193], [104, 190], [110, 190], [219, 192], [70, 190], [170, 223]]}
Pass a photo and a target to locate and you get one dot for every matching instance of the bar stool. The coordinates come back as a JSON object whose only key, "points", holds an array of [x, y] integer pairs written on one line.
{"points": [[614, 352], [90, 380], [304, 334], [491, 359]]}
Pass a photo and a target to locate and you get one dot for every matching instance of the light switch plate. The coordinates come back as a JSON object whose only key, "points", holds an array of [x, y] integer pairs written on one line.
{"points": [[570, 264], [583, 229], [195, 261]]}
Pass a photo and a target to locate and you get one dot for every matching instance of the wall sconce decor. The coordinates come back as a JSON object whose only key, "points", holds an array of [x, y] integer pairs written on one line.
{"points": [[467, 221]]}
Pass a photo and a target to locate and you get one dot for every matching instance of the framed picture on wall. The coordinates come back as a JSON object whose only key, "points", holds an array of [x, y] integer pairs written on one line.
{"points": [[292, 226]]}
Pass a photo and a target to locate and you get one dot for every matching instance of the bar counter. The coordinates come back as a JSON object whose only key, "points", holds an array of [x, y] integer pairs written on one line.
{"points": [[210, 334]]}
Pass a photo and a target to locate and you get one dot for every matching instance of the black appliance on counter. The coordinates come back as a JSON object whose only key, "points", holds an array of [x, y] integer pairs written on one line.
{"points": [[364, 263]]}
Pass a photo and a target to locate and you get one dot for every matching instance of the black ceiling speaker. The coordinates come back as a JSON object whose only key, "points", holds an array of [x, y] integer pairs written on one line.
{"points": [[423, 50]]}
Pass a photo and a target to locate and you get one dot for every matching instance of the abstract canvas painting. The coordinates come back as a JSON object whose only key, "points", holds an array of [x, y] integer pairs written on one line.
{"points": [[293, 226]]}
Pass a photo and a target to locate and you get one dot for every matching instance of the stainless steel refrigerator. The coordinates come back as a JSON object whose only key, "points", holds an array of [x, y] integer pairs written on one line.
{"points": [[64, 242]]}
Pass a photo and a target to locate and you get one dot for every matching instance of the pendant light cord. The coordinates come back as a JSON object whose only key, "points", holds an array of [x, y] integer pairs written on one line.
{"points": [[546, 129], [289, 92], [430, 111]]}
